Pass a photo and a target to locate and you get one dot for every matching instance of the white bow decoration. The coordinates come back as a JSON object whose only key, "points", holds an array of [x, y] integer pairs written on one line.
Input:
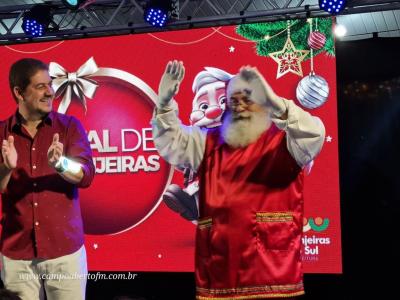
{"points": [[78, 82]]}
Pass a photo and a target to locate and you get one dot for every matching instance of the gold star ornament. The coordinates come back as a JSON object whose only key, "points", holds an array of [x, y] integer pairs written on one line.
{"points": [[289, 59]]}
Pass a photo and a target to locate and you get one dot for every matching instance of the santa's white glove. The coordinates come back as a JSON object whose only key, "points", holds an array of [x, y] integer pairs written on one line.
{"points": [[261, 90], [170, 81]]}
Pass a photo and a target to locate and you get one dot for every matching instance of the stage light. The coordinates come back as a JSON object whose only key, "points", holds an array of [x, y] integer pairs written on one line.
{"points": [[332, 6], [73, 4], [340, 30], [157, 12], [156, 17], [36, 21]]}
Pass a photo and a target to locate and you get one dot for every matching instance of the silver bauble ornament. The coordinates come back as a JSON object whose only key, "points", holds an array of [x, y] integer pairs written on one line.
{"points": [[312, 91]]}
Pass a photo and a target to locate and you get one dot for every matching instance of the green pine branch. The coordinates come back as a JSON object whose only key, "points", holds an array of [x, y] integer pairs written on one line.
{"points": [[299, 32]]}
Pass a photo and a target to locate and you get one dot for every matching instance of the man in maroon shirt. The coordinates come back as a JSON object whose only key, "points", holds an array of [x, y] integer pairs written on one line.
{"points": [[45, 158]]}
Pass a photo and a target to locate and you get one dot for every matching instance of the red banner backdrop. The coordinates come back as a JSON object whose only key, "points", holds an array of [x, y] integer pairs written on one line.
{"points": [[110, 85]]}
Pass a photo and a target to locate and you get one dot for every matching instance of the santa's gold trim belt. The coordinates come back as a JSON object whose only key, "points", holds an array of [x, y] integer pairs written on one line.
{"points": [[254, 292], [274, 217]]}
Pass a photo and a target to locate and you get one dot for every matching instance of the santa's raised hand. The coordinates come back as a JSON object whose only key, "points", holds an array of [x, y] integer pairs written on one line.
{"points": [[258, 83], [9, 153], [55, 150]]}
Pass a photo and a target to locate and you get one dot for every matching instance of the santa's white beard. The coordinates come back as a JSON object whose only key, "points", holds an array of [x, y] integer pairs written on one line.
{"points": [[242, 131]]}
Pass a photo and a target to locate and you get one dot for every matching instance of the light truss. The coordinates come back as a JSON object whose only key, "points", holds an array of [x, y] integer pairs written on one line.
{"points": [[112, 17]]}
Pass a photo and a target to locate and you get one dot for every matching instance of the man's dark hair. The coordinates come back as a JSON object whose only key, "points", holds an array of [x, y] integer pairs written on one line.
{"points": [[22, 71]]}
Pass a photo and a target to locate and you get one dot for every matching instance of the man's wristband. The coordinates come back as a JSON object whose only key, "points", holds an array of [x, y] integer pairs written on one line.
{"points": [[65, 164]]}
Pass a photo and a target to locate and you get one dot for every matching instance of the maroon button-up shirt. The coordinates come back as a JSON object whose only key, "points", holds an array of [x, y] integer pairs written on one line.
{"points": [[41, 212]]}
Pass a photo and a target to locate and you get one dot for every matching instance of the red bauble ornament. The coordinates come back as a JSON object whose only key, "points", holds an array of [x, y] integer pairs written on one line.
{"points": [[130, 175], [316, 40]]}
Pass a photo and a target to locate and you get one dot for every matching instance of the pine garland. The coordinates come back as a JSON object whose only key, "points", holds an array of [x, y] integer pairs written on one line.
{"points": [[299, 32]]}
